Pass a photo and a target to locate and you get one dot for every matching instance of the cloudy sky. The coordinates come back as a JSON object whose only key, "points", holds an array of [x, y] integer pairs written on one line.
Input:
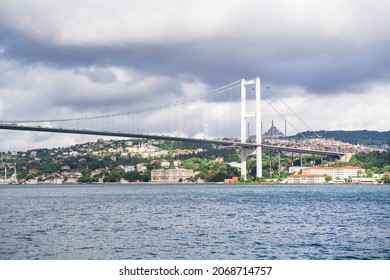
{"points": [[329, 60]]}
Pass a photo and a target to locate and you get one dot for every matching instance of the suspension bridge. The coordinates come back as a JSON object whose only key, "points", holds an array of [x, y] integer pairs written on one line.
{"points": [[221, 116]]}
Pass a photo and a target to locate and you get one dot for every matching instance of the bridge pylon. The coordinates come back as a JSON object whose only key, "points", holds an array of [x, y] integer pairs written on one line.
{"points": [[245, 152]]}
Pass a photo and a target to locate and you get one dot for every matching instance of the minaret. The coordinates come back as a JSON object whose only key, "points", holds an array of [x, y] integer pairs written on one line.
{"points": [[285, 128]]}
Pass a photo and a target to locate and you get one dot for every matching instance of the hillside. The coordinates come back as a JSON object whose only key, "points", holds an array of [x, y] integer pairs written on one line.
{"points": [[364, 137]]}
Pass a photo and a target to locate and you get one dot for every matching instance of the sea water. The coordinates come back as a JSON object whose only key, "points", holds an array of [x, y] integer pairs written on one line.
{"points": [[146, 221]]}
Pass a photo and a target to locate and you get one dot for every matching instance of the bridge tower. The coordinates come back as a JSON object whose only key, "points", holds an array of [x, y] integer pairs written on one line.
{"points": [[245, 152]]}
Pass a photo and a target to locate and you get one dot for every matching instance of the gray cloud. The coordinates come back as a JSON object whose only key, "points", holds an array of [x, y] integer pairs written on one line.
{"points": [[321, 67]]}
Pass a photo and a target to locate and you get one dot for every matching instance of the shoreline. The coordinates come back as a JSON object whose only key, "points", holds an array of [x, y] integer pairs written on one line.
{"points": [[184, 184]]}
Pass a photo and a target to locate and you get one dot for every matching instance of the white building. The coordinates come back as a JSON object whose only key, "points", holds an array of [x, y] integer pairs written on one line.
{"points": [[129, 168], [296, 169], [336, 173], [306, 179], [33, 181], [165, 164], [171, 175], [141, 167], [162, 153], [72, 180], [58, 180], [142, 150]]}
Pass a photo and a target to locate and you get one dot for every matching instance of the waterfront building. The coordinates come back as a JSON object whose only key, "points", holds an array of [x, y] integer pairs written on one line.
{"points": [[33, 181], [306, 179], [171, 175], [72, 180], [58, 180], [344, 172]]}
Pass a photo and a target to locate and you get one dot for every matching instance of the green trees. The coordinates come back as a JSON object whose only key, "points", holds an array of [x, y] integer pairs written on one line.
{"points": [[386, 168], [328, 178], [135, 176], [210, 170], [113, 176], [378, 162], [210, 165], [86, 176], [385, 179]]}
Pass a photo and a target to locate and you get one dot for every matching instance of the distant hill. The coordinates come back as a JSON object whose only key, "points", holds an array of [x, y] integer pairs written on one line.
{"points": [[365, 137]]}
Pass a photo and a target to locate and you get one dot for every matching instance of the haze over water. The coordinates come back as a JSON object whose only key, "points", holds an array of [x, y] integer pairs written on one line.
{"points": [[195, 222]]}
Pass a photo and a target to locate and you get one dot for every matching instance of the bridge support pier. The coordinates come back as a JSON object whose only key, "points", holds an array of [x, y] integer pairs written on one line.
{"points": [[244, 133], [243, 163]]}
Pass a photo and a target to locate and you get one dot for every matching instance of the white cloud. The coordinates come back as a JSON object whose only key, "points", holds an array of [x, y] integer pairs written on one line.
{"points": [[173, 21], [367, 109]]}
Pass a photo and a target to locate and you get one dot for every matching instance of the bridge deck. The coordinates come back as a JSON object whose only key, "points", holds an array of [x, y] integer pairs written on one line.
{"points": [[168, 138]]}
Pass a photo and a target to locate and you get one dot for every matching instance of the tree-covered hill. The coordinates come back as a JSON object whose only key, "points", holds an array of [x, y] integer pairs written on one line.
{"points": [[365, 137], [377, 161]]}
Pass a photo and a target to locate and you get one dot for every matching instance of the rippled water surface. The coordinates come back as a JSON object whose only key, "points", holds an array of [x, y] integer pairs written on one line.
{"points": [[195, 222]]}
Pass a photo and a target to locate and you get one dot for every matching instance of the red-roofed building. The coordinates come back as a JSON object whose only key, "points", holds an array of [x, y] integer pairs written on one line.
{"points": [[335, 172]]}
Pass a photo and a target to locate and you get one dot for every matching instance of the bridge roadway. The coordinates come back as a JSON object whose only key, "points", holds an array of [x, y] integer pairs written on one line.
{"points": [[168, 138]]}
